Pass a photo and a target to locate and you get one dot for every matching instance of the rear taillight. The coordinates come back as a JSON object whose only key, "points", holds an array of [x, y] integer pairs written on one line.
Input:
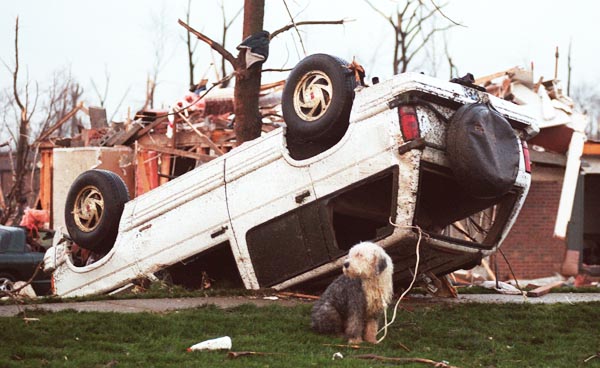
{"points": [[526, 157], [409, 124]]}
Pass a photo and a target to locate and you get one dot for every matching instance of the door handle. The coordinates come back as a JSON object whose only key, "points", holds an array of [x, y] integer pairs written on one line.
{"points": [[300, 197], [219, 231]]}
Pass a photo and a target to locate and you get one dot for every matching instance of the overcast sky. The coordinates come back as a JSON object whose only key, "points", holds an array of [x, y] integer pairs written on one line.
{"points": [[118, 38]]}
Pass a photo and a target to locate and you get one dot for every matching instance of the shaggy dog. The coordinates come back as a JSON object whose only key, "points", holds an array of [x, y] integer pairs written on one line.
{"points": [[353, 302]]}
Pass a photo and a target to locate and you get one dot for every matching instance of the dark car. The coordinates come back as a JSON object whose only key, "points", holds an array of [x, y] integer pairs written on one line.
{"points": [[18, 261]]}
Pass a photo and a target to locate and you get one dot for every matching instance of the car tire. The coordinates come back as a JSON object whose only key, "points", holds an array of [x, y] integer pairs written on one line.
{"points": [[316, 102], [483, 151], [93, 209], [7, 282]]}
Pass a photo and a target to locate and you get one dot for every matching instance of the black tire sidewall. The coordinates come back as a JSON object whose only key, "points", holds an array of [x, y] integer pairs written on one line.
{"points": [[115, 195], [334, 121]]}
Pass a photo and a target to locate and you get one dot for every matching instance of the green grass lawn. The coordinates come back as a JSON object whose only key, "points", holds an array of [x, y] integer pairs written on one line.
{"points": [[471, 335]]}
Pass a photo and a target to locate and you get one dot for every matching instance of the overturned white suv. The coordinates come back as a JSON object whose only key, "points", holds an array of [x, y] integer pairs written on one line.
{"points": [[408, 156]]}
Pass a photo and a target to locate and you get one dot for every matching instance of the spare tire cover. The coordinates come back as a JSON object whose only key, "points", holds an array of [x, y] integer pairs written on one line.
{"points": [[483, 151]]}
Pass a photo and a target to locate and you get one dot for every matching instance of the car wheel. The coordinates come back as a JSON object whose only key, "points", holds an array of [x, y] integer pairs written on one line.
{"points": [[483, 151], [93, 209], [7, 282], [316, 102]]}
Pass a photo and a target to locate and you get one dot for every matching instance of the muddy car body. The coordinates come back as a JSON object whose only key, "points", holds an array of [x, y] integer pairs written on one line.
{"points": [[288, 215]]}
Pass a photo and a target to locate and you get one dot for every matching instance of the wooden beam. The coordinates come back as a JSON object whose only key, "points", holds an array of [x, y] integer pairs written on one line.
{"points": [[142, 185], [548, 158], [189, 138], [543, 290], [45, 194], [488, 78], [207, 140], [591, 148], [150, 126], [59, 123], [176, 152], [264, 87]]}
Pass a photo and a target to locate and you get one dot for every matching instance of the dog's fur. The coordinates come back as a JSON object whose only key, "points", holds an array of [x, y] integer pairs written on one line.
{"points": [[354, 301]]}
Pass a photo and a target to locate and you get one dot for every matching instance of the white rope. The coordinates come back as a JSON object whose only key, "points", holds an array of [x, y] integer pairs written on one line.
{"points": [[386, 324]]}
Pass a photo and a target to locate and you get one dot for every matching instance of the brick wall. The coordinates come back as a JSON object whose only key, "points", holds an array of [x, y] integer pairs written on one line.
{"points": [[530, 247]]}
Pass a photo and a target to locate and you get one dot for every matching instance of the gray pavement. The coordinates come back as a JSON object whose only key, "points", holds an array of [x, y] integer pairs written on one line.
{"points": [[551, 298], [145, 305], [175, 304]]}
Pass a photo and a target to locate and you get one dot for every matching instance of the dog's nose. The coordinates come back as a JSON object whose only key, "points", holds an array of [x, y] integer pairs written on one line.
{"points": [[346, 264]]}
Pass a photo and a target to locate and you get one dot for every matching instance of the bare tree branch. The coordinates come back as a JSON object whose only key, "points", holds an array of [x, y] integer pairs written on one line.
{"points": [[226, 26], [102, 96], [412, 22], [295, 26], [304, 23], [421, 21], [385, 16], [160, 42], [120, 103], [439, 9], [407, 27], [451, 66], [16, 69], [277, 70], [213, 44], [45, 134], [21, 137], [190, 49], [404, 360], [425, 40]]}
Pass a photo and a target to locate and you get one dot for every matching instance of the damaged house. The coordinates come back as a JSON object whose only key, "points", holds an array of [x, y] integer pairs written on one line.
{"points": [[558, 229]]}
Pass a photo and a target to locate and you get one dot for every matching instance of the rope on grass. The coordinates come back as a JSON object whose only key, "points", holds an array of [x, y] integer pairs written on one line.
{"points": [[511, 272], [415, 273]]}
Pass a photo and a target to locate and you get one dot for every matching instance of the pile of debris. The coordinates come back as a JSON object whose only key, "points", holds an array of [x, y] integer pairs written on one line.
{"points": [[560, 143], [197, 128]]}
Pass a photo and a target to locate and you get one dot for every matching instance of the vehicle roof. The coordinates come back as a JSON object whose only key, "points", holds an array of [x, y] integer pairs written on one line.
{"points": [[12, 239]]}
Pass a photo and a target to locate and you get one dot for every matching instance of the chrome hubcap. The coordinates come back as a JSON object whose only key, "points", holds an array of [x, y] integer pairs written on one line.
{"points": [[312, 95], [88, 209]]}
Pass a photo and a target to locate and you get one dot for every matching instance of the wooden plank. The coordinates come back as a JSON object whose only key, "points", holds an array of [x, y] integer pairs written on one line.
{"points": [[189, 138], [59, 123], [297, 295], [543, 290], [176, 152], [142, 184], [207, 140], [46, 182], [591, 148], [488, 78], [489, 271], [165, 168], [548, 158], [150, 126]]}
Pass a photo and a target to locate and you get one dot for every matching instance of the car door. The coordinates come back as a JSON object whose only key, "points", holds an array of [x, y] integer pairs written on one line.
{"points": [[273, 213]]}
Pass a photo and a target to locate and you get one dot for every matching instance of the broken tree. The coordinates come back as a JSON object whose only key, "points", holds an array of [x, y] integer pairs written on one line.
{"points": [[252, 52]]}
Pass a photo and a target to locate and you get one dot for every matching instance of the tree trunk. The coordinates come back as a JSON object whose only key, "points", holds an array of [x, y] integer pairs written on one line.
{"points": [[247, 84]]}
